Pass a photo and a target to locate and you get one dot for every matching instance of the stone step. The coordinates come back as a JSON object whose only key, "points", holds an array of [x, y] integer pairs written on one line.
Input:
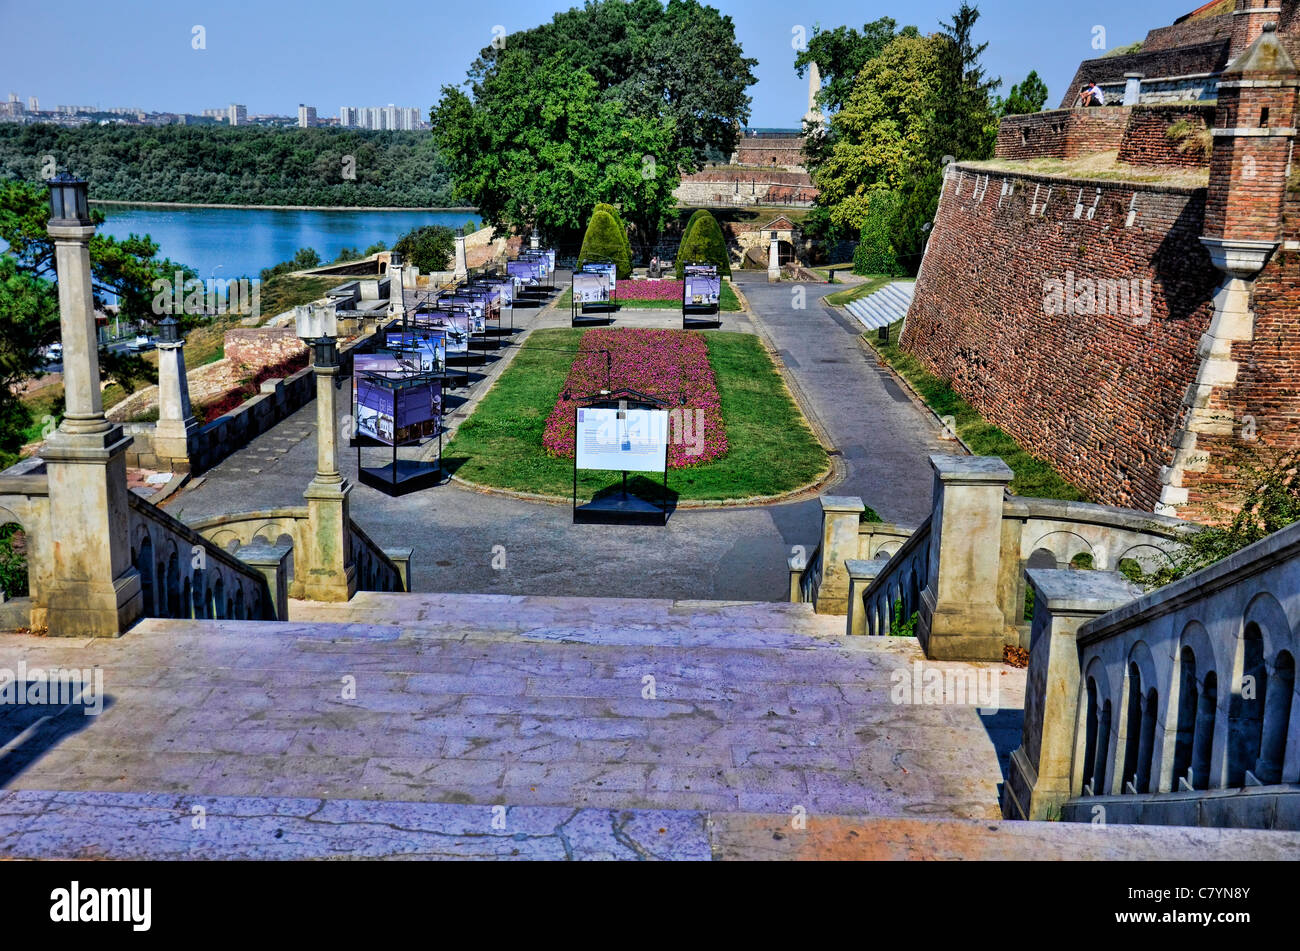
{"points": [[43, 824], [885, 306], [627, 621], [690, 710]]}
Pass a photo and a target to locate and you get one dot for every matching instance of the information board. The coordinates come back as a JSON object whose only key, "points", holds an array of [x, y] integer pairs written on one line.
{"points": [[607, 268], [622, 440], [420, 350], [454, 327], [528, 273], [590, 289], [702, 290], [396, 411]]}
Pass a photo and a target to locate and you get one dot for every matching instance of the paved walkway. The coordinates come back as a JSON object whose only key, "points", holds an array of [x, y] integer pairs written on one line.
{"points": [[737, 553]]}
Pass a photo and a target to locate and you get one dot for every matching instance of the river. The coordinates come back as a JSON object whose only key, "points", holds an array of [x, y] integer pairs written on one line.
{"points": [[239, 242]]}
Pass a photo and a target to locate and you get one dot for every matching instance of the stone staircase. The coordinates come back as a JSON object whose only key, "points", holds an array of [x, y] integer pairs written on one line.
{"points": [[495, 726], [886, 306]]}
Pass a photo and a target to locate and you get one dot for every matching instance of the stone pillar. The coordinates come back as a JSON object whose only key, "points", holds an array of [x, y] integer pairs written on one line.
{"points": [[534, 241], [330, 571], [94, 590], [176, 422], [960, 618], [1041, 777], [462, 271], [841, 516], [861, 574], [774, 259], [1132, 89], [271, 562]]}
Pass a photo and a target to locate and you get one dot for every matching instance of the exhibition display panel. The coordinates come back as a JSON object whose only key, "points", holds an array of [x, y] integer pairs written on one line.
{"points": [[624, 432]]}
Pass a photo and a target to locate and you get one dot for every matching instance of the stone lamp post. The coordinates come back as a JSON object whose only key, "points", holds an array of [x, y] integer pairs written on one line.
{"points": [[94, 589], [774, 259], [176, 422], [462, 272], [330, 572]]}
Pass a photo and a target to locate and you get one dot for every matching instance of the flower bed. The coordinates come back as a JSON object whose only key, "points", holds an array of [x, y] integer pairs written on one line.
{"points": [[668, 364], [668, 291]]}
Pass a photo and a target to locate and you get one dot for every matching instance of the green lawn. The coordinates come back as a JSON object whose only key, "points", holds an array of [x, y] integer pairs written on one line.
{"points": [[869, 286], [772, 450], [728, 302], [1034, 477]]}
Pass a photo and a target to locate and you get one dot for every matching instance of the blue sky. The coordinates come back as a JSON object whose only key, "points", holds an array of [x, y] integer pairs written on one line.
{"points": [[273, 54]]}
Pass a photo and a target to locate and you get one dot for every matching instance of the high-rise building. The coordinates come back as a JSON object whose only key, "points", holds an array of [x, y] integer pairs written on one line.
{"points": [[306, 116], [348, 118], [237, 114], [33, 104]]}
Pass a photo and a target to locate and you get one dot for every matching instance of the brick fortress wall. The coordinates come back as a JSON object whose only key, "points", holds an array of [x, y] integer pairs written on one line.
{"points": [[1147, 139], [1097, 394]]}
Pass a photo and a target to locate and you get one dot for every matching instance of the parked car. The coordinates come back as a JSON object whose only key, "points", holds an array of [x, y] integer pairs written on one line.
{"points": [[141, 343]]}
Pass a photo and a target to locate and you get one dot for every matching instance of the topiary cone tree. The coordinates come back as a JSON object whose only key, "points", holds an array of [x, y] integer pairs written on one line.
{"points": [[606, 240], [703, 244], [686, 233], [622, 225]]}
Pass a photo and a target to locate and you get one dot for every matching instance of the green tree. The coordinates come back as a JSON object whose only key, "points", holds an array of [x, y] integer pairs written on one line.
{"points": [[1024, 98], [622, 227], [429, 248], [606, 240], [963, 122], [703, 245], [875, 252], [686, 232], [29, 321], [678, 65], [538, 145], [881, 134]]}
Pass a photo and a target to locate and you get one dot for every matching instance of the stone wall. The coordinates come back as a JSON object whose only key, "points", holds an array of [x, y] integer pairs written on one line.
{"points": [[1097, 394], [1063, 134], [729, 185], [1147, 140], [770, 150], [1189, 33], [262, 347], [1186, 62]]}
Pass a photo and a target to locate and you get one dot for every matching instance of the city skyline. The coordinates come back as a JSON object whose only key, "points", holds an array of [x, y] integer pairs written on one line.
{"points": [[239, 64]]}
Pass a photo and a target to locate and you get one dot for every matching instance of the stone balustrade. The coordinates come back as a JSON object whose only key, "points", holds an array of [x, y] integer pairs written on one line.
{"points": [[377, 569], [964, 577], [1175, 708]]}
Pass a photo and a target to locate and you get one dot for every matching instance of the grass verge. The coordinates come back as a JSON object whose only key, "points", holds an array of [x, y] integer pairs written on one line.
{"points": [[728, 302], [869, 286], [1034, 478], [772, 449]]}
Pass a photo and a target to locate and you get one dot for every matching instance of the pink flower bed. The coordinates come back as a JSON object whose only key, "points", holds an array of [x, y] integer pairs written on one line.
{"points": [[669, 291], [667, 364]]}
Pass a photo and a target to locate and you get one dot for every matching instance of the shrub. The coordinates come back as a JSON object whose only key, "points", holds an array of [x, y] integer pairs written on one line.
{"points": [[875, 253], [686, 233], [429, 248], [703, 245], [606, 240]]}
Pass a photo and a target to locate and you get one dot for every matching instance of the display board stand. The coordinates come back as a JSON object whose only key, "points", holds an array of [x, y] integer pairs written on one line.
{"points": [[400, 475], [620, 506], [698, 316]]}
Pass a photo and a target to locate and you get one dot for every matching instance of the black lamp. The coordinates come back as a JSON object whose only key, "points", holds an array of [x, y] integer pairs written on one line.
{"points": [[169, 330], [68, 201]]}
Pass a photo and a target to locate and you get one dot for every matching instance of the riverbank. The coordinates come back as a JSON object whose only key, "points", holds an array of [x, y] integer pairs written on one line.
{"points": [[187, 204]]}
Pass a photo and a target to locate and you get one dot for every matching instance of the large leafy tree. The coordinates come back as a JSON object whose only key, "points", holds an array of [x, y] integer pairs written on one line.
{"points": [[882, 135], [677, 64], [538, 144], [429, 248]]}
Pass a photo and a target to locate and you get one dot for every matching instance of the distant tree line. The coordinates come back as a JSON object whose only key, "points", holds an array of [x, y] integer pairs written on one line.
{"points": [[234, 166]]}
